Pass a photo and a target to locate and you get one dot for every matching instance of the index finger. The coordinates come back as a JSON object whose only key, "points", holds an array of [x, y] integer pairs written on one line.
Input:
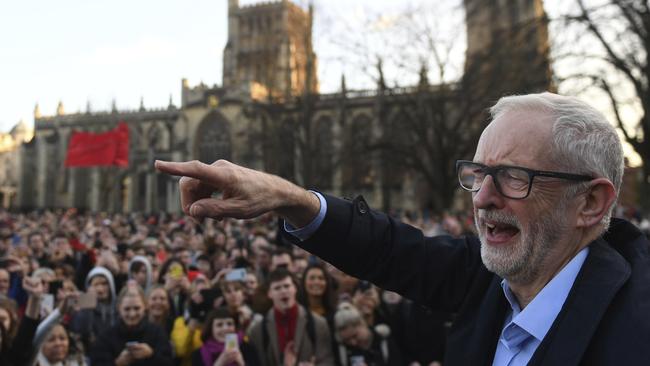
{"points": [[193, 169]]}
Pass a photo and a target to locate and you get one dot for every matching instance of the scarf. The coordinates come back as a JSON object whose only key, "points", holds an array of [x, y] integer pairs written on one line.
{"points": [[285, 326], [212, 349]]}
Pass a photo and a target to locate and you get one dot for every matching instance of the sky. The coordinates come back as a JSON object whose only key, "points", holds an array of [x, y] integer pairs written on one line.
{"points": [[89, 53]]}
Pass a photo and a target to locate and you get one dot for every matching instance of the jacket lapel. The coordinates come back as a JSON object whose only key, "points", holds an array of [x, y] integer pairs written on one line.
{"points": [[301, 324], [273, 338], [476, 331], [601, 276]]}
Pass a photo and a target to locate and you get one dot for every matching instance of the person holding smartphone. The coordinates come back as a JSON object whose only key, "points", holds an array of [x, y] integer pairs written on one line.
{"points": [[222, 344], [89, 323], [132, 341]]}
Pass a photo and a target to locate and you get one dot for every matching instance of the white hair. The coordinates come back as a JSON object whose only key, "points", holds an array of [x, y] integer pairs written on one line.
{"points": [[584, 142], [347, 315]]}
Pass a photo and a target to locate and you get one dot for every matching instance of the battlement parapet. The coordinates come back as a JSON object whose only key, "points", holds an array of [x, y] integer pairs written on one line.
{"points": [[106, 117], [262, 5]]}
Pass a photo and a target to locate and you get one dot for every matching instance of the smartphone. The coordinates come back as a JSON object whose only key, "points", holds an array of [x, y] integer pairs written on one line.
{"points": [[176, 271], [55, 286], [87, 300], [131, 344], [47, 303], [357, 361], [232, 342], [237, 274]]}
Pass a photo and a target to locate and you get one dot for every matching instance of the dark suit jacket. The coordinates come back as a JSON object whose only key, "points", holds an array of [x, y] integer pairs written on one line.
{"points": [[604, 321]]}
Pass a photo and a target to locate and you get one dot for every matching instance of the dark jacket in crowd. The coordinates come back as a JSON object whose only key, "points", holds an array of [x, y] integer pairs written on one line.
{"points": [[111, 342], [21, 350], [89, 323], [419, 332], [382, 352], [604, 320]]}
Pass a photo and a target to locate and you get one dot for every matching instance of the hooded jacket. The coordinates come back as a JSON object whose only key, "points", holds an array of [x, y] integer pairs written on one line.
{"points": [[147, 266], [89, 323], [102, 271]]}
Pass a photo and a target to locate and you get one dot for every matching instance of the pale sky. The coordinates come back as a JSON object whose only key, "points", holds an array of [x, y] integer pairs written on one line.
{"points": [[81, 51]]}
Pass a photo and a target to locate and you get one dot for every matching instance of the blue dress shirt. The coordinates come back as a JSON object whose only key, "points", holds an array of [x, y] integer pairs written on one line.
{"points": [[305, 232], [525, 329]]}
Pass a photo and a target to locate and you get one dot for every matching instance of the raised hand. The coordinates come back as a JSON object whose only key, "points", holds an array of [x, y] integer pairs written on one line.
{"points": [[246, 193], [33, 286], [69, 304], [141, 351], [16, 264], [311, 362], [228, 357], [290, 356], [124, 359]]}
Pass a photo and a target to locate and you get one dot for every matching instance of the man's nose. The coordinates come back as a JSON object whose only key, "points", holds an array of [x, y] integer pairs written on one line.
{"points": [[488, 196]]}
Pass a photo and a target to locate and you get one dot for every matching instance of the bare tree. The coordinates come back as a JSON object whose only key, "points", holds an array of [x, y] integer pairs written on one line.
{"points": [[605, 48], [435, 109]]}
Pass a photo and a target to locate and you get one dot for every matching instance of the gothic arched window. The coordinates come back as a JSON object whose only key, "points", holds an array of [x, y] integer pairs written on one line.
{"points": [[213, 139]]}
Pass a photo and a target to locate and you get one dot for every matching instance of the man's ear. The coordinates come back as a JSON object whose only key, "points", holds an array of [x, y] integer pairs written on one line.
{"points": [[597, 200]]}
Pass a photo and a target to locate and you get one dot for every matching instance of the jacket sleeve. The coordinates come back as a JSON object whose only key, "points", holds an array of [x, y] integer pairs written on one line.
{"points": [[196, 358], [22, 351], [45, 326], [437, 272], [162, 348], [180, 338], [16, 290], [102, 354], [324, 355], [255, 340]]}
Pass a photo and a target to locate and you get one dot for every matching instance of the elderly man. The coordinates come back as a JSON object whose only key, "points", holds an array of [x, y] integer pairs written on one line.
{"points": [[551, 280]]}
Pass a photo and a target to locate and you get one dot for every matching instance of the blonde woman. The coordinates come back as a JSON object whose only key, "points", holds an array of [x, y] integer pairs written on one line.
{"points": [[133, 339]]}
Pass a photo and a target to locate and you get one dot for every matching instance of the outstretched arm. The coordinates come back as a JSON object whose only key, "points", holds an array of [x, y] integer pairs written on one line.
{"points": [[245, 193]]}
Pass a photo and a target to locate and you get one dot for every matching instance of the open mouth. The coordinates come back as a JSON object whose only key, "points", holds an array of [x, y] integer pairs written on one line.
{"points": [[500, 232]]}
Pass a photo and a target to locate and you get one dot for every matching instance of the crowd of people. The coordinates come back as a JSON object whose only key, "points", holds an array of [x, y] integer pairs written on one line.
{"points": [[134, 289]]}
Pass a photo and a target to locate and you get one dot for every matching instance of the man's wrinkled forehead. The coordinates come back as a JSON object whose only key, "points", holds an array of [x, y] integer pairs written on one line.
{"points": [[513, 135]]}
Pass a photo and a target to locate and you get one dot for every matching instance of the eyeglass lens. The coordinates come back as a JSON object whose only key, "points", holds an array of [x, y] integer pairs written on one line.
{"points": [[511, 182]]}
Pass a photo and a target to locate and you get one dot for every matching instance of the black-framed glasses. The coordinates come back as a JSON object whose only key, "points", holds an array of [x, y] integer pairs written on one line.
{"points": [[513, 182]]}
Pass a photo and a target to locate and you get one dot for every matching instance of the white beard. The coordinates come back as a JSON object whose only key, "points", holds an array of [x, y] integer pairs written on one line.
{"points": [[522, 260]]}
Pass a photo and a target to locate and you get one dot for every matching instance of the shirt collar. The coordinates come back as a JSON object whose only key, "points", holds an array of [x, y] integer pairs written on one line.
{"points": [[539, 315]]}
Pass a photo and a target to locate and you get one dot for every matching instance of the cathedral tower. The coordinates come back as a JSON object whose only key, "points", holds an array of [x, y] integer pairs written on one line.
{"points": [[507, 45], [269, 50]]}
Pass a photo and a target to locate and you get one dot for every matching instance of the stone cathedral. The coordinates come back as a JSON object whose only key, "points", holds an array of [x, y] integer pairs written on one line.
{"points": [[269, 115]]}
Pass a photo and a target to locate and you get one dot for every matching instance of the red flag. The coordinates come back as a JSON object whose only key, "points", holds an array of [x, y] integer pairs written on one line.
{"points": [[99, 149]]}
